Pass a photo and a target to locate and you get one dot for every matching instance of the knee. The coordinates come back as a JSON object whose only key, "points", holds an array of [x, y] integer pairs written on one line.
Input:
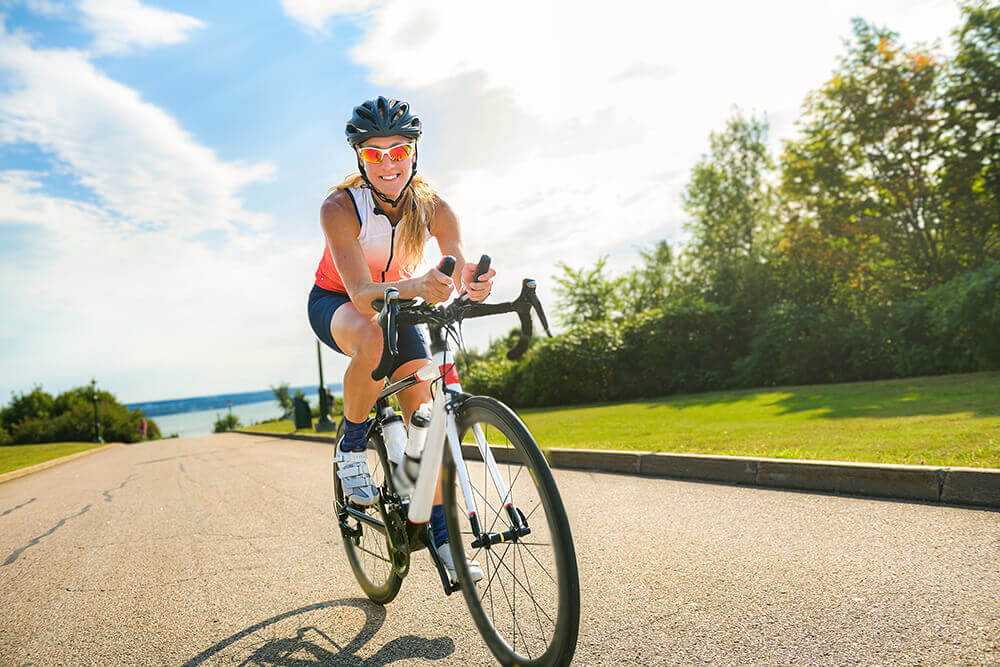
{"points": [[368, 343]]}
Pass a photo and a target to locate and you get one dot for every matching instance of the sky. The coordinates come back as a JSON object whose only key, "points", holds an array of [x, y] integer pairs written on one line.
{"points": [[162, 164]]}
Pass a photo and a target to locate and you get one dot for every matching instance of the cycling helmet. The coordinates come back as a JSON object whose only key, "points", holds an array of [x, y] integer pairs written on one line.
{"points": [[383, 118]]}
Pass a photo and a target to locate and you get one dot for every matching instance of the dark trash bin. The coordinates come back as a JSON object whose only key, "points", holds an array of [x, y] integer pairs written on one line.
{"points": [[303, 414]]}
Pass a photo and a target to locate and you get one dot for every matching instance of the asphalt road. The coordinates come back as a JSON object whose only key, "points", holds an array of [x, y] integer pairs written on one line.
{"points": [[223, 549]]}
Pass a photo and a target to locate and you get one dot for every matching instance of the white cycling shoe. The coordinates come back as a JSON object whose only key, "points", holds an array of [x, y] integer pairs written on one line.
{"points": [[355, 478], [444, 552]]}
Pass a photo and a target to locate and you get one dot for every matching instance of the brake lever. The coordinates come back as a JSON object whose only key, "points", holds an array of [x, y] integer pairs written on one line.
{"points": [[528, 294], [541, 314]]}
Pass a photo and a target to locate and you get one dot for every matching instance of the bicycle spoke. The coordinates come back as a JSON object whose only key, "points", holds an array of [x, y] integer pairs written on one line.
{"points": [[515, 628], [495, 571], [527, 579], [530, 593], [518, 582], [373, 554], [541, 566]]}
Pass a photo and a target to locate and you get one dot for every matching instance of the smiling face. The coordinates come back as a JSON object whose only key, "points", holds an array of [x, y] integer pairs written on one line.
{"points": [[389, 177]]}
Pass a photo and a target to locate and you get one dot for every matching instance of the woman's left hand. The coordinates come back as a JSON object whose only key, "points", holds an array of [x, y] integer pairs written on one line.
{"points": [[480, 289]]}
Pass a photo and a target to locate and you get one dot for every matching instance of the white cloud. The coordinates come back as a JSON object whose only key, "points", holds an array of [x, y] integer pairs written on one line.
{"points": [[151, 315], [119, 25], [116, 288], [141, 164], [314, 13]]}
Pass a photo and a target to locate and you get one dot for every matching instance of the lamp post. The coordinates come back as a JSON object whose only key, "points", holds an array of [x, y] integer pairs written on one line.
{"points": [[97, 424], [324, 423]]}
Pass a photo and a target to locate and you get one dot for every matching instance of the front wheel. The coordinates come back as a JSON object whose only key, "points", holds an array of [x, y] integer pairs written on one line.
{"points": [[527, 606]]}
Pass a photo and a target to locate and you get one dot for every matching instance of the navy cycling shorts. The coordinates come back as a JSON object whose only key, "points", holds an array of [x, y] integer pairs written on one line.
{"points": [[322, 305]]}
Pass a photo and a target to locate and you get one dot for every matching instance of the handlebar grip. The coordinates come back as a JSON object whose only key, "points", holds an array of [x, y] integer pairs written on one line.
{"points": [[447, 265], [481, 268]]}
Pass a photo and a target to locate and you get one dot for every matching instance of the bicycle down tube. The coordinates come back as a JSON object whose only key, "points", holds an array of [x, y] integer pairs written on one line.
{"points": [[443, 415]]}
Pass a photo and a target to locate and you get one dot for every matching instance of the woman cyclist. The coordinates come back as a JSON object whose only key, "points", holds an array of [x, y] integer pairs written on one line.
{"points": [[377, 223]]}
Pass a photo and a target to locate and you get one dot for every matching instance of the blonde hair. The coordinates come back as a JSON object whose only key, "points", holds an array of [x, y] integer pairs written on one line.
{"points": [[418, 211]]}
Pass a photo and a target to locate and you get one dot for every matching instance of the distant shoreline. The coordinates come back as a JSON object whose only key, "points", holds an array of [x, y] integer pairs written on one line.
{"points": [[175, 406]]}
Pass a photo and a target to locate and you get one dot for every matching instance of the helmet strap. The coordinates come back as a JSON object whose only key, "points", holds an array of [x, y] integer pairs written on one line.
{"points": [[402, 193]]}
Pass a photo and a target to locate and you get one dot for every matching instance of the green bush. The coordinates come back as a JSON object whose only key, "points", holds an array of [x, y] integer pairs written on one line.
{"points": [[37, 404], [336, 410], [490, 377], [965, 316], [691, 345], [70, 417], [685, 346], [575, 367], [226, 423], [794, 345]]}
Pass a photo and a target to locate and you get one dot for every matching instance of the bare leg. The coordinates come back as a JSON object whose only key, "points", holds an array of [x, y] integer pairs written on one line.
{"points": [[360, 338]]}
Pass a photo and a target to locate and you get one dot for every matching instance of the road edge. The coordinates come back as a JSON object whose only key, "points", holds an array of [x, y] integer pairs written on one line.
{"points": [[51, 463], [977, 487]]}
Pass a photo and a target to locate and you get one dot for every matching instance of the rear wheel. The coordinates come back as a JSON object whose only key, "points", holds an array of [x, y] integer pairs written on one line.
{"points": [[367, 548], [527, 606]]}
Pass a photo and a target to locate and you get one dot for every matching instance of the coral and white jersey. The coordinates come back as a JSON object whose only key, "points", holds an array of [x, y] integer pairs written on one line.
{"points": [[378, 241]]}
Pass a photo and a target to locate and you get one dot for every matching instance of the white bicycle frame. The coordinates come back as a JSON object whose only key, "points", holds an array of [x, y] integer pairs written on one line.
{"points": [[443, 427]]}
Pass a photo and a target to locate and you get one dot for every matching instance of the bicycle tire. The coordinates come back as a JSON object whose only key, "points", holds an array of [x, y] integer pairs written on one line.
{"points": [[369, 553], [555, 598]]}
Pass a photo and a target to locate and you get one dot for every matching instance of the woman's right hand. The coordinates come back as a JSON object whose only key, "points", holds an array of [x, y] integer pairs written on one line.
{"points": [[434, 286]]}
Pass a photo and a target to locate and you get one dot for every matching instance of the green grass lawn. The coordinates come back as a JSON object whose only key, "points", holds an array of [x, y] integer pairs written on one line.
{"points": [[283, 426], [13, 457], [951, 420]]}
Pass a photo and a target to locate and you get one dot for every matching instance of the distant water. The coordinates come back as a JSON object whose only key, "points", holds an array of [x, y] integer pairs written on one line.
{"points": [[201, 421]]}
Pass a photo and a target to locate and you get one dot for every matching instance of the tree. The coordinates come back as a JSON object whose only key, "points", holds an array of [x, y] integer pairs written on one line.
{"points": [[730, 201], [733, 221], [647, 286], [971, 168], [283, 395], [867, 186], [586, 296]]}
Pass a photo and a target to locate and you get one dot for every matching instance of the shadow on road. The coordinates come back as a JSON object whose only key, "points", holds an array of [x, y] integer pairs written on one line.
{"points": [[266, 643]]}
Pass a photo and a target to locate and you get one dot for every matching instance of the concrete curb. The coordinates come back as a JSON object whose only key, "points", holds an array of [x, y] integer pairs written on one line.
{"points": [[44, 465], [953, 486]]}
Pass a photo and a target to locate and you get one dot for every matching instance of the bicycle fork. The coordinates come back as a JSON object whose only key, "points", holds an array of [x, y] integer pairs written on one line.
{"points": [[443, 427]]}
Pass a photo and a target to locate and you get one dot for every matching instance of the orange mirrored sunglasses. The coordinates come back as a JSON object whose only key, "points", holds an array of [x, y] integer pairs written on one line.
{"points": [[396, 153]]}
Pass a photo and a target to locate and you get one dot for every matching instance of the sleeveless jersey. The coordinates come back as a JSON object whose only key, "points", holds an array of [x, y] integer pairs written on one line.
{"points": [[378, 242]]}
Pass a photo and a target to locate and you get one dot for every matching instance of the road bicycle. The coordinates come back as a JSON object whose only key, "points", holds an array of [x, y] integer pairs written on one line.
{"points": [[502, 506]]}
